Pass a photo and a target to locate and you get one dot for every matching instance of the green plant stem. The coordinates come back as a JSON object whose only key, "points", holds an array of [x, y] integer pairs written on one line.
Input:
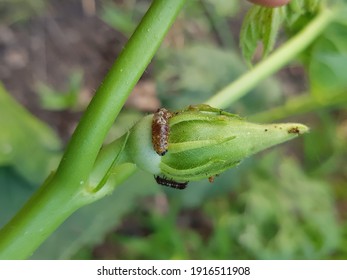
{"points": [[273, 63], [115, 89], [65, 190], [299, 105]]}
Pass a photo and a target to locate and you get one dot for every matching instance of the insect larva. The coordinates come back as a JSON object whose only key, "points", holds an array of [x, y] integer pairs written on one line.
{"points": [[170, 183], [211, 179], [161, 131]]}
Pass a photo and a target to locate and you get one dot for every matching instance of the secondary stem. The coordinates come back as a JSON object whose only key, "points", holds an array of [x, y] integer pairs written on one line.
{"points": [[299, 105], [273, 63]]}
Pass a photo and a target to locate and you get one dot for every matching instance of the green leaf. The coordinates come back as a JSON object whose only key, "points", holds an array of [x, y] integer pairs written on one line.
{"points": [[89, 225], [26, 143], [300, 7], [328, 60], [284, 214], [52, 99], [261, 24], [14, 191]]}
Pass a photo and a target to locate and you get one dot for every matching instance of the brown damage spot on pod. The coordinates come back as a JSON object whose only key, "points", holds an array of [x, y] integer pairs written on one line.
{"points": [[170, 183], [161, 131], [294, 130], [211, 178]]}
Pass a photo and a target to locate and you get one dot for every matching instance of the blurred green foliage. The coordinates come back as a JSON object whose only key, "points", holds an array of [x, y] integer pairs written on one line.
{"points": [[22, 136], [123, 17], [328, 61], [261, 24], [52, 99], [287, 216], [12, 11], [286, 204], [196, 72]]}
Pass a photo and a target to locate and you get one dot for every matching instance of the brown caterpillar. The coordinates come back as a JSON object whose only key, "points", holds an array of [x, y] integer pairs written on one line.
{"points": [[170, 183], [161, 131]]}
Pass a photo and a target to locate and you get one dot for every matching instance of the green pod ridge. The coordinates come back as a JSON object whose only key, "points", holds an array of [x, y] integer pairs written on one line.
{"points": [[203, 142], [211, 168], [208, 113], [191, 145]]}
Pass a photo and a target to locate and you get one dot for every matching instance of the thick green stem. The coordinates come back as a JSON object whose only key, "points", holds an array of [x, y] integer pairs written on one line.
{"points": [[114, 90], [273, 63], [67, 189]]}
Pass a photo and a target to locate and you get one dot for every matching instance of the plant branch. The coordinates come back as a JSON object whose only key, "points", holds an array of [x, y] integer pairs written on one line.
{"points": [[299, 105], [273, 63]]}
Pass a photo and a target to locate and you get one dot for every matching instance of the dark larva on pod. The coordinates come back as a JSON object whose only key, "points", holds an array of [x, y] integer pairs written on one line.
{"points": [[161, 131], [170, 183]]}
